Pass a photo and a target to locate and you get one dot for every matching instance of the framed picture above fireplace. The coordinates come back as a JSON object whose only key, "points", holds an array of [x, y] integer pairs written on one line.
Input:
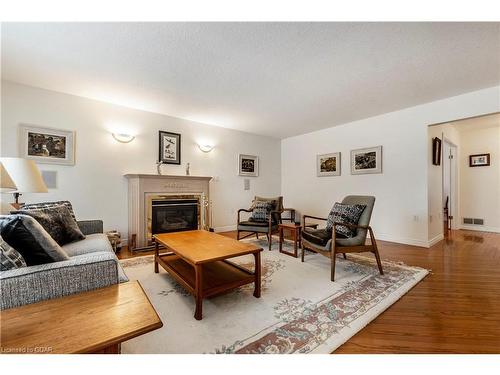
{"points": [[169, 151], [248, 165]]}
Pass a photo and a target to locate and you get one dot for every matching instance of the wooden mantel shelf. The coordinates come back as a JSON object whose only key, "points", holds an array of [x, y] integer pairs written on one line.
{"points": [[166, 176]]}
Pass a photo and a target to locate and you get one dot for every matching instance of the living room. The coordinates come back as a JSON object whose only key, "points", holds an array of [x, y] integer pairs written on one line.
{"points": [[250, 187]]}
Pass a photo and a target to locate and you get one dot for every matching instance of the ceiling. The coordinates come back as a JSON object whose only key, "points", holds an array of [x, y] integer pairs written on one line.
{"points": [[274, 79]]}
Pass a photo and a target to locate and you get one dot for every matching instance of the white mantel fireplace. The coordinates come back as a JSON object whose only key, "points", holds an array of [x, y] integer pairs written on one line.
{"points": [[165, 203]]}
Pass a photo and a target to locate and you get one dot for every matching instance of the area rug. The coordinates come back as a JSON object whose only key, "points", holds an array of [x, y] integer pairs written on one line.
{"points": [[300, 310]]}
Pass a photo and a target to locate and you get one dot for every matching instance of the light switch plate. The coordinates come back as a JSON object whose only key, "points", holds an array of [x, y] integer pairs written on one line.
{"points": [[246, 184]]}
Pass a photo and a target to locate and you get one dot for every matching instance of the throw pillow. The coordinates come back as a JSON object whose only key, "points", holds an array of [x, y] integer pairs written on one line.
{"points": [[28, 237], [35, 206], [345, 213], [261, 211], [10, 257], [57, 221]]}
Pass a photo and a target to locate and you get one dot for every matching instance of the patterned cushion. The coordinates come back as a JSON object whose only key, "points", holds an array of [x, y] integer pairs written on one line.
{"points": [[35, 206], [28, 237], [261, 211], [10, 257], [345, 213], [57, 221]]}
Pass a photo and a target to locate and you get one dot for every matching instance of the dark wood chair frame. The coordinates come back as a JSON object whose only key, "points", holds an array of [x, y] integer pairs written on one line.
{"points": [[336, 249], [269, 232]]}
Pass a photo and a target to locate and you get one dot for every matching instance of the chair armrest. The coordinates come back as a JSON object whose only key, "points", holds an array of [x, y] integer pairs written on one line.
{"points": [[90, 226], [304, 217], [292, 214], [32, 284], [242, 210]]}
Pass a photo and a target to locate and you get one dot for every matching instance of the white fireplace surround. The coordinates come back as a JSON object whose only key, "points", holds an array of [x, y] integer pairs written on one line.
{"points": [[142, 188]]}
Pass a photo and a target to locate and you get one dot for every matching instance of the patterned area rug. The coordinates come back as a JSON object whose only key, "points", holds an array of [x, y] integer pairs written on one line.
{"points": [[300, 311]]}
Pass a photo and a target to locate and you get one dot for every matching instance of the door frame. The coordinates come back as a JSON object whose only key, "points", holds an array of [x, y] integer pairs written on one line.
{"points": [[453, 202]]}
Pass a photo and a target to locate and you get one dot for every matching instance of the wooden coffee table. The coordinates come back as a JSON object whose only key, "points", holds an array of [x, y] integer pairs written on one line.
{"points": [[198, 261], [90, 322]]}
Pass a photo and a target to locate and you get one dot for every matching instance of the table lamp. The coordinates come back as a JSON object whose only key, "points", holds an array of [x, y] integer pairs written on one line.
{"points": [[23, 176], [6, 183]]}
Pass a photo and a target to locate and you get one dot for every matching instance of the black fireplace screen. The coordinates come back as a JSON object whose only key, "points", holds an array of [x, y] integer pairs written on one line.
{"points": [[174, 215]]}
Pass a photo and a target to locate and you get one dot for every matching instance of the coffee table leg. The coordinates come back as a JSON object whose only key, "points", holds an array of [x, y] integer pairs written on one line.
{"points": [[198, 291], [256, 292], [157, 254]]}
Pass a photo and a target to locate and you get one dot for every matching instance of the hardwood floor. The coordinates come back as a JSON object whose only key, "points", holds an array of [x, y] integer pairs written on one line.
{"points": [[455, 309]]}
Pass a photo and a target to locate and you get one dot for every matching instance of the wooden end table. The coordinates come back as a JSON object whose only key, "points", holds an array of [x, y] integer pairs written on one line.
{"points": [[90, 322], [295, 230]]}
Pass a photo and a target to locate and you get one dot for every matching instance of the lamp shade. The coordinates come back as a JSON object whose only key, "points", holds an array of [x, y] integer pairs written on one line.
{"points": [[6, 183], [25, 175]]}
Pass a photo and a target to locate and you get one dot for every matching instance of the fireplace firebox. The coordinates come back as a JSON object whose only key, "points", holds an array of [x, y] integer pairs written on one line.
{"points": [[174, 215]]}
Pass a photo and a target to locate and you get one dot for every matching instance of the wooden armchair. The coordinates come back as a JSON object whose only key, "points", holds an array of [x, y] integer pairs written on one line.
{"points": [[329, 244], [267, 227]]}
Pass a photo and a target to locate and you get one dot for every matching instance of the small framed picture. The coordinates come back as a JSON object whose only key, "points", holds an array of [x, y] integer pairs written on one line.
{"points": [[47, 145], [366, 160], [436, 151], [169, 150], [479, 160], [248, 165], [328, 164]]}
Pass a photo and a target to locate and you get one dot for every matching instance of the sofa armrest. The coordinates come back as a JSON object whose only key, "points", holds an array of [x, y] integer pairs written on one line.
{"points": [[32, 284], [90, 226]]}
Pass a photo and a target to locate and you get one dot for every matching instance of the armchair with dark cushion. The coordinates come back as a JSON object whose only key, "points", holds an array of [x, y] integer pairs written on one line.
{"points": [[268, 226], [329, 243]]}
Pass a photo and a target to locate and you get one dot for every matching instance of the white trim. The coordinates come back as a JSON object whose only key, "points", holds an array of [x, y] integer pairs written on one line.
{"points": [[226, 228], [436, 239], [480, 228], [402, 240]]}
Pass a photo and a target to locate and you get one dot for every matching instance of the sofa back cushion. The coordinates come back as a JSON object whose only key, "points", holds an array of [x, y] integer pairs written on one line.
{"points": [[57, 221], [35, 206], [10, 258], [28, 237]]}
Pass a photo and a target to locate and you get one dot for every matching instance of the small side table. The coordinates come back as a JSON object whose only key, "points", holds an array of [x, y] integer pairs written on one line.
{"points": [[295, 230]]}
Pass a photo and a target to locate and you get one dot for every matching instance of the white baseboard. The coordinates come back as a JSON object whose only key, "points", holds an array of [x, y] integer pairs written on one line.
{"points": [[480, 228], [227, 228], [435, 240], [403, 240]]}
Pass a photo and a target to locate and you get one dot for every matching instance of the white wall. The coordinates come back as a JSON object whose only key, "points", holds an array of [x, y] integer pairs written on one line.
{"points": [[402, 191], [95, 184], [480, 186]]}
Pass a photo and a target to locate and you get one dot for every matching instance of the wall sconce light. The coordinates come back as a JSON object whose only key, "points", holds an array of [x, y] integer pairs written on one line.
{"points": [[123, 138], [205, 148]]}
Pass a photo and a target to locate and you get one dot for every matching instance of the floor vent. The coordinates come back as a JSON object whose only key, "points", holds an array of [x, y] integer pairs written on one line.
{"points": [[471, 221]]}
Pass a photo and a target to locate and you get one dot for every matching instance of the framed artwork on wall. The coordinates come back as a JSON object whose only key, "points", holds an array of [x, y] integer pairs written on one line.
{"points": [[169, 148], [248, 165], [328, 164], [366, 160], [479, 160], [47, 145], [436, 151]]}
